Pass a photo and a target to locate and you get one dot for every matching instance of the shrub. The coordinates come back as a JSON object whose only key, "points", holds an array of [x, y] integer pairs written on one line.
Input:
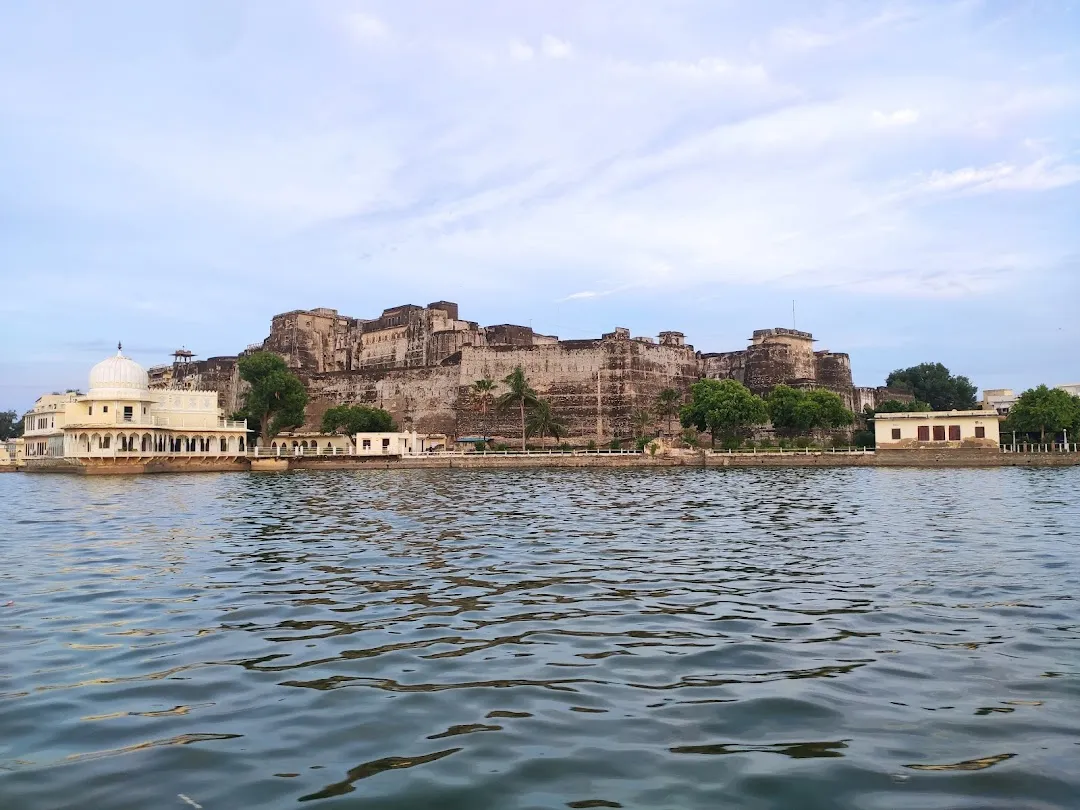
{"points": [[502, 448], [615, 444], [481, 447], [864, 438], [802, 442], [749, 444], [566, 448], [591, 445], [765, 444], [654, 448]]}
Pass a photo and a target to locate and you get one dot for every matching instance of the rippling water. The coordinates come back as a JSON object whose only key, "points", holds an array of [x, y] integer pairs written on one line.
{"points": [[859, 638]]}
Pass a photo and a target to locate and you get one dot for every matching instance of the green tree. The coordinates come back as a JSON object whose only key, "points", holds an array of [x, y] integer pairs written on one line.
{"points": [[725, 408], [542, 422], [521, 396], [791, 411], [829, 410], [667, 405], [483, 392], [932, 383], [353, 419], [641, 420], [1043, 410], [11, 425], [253, 425], [276, 398], [794, 412]]}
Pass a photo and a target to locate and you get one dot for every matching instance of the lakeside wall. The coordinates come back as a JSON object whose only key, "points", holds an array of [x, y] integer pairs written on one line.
{"points": [[892, 458]]}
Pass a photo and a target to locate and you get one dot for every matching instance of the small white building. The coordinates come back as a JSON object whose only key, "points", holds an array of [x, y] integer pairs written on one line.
{"points": [[938, 429], [398, 444], [121, 418], [999, 399]]}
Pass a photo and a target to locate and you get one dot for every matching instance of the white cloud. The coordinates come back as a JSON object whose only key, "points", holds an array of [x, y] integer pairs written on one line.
{"points": [[521, 52], [555, 48], [365, 27], [897, 118], [701, 70], [1041, 175]]}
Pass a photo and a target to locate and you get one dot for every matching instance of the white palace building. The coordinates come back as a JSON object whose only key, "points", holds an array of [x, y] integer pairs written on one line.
{"points": [[121, 422]]}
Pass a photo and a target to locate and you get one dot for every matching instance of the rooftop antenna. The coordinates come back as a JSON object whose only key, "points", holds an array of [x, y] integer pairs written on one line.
{"points": [[119, 347]]}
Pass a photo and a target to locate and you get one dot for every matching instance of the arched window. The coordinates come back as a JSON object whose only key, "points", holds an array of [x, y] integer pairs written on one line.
{"points": [[224, 445], [105, 440], [241, 444], [146, 440], [273, 445]]}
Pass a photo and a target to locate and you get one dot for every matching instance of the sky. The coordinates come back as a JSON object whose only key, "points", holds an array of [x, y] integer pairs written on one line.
{"points": [[906, 174]]}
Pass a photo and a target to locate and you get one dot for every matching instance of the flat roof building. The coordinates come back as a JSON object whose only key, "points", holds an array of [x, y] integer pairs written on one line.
{"points": [[968, 430]]}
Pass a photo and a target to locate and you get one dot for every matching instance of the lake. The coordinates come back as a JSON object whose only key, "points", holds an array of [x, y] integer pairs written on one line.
{"points": [[783, 638]]}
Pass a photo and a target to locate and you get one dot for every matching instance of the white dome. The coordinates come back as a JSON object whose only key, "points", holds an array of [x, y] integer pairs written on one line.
{"points": [[118, 376]]}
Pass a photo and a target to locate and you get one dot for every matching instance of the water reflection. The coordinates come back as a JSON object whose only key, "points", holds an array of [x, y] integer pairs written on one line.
{"points": [[684, 638]]}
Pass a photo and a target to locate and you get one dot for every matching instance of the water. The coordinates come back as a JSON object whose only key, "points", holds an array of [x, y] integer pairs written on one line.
{"points": [[850, 638]]}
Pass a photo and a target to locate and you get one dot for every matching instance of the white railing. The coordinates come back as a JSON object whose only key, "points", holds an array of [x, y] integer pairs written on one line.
{"points": [[793, 451], [1058, 447]]}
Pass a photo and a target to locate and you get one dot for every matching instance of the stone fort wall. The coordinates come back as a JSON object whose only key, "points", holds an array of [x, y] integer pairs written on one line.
{"points": [[419, 363]]}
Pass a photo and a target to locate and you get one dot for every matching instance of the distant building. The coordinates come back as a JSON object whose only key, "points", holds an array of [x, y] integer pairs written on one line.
{"points": [[945, 429], [121, 418], [398, 444], [999, 399], [1071, 388]]}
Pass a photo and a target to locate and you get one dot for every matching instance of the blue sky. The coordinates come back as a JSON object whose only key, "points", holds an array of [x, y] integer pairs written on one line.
{"points": [[177, 172]]}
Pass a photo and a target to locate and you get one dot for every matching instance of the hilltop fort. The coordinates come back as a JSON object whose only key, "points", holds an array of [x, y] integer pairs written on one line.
{"points": [[419, 363]]}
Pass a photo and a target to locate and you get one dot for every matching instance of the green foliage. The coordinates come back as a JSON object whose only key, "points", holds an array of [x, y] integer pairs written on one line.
{"points": [[543, 422], [480, 447], [11, 426], [864, 438], [277, 397], [794, 412], [565, 447], [725, 408], [641, 420], [520, 396], [802, 442], [591, 445], [933, 384], [690, 437], [765, 444], [1044, 410], [615, 444], [352, 419], [653, 448], [502, 448], [667, 405], [640, 442]]}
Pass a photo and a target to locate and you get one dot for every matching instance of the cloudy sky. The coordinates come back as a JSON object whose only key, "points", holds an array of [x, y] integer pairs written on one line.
{"points": [[908, 173]]}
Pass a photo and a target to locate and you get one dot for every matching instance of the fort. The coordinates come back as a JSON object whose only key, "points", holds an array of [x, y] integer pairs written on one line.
{"points": [[419, 363]]}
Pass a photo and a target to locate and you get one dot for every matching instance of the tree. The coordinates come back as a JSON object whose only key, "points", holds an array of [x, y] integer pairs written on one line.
{"points": [[724, 408], [667, 405], [483, 392], [11, 425], [932, 383], [277, 397], [520, 396], [543, 422], [353, 419], [641, 419], [1042, 409], [794, 412], [791, 411], [829, 410]]}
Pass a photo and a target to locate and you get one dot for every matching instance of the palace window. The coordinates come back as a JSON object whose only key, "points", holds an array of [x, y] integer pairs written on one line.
{"points": [[954, 433], [924, 433], [104, 408], [980, 433], [128, 413], [939, 433], [896, 434]]}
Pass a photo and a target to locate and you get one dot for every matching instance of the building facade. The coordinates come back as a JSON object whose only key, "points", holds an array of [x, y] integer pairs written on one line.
{"points": [[122, 419], [967, 430], [419, 363]]}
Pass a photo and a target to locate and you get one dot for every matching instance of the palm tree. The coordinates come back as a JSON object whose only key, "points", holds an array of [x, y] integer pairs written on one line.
{"points": [[543, 422], [483, 392], [520, 396], [667, 405], [641, 420]]}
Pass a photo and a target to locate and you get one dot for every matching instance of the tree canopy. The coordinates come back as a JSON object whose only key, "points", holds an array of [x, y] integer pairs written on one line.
{"points": [[896, 406], [794, 412], [520, 396], [933, 384], [10, 425], [1044, 410], [352, 419], [667, 405], [542, 421], [725, 408], [276, 398]]}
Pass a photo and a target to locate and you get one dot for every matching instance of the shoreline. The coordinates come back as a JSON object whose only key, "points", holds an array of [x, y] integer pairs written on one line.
{"points": [[926, 459]]}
